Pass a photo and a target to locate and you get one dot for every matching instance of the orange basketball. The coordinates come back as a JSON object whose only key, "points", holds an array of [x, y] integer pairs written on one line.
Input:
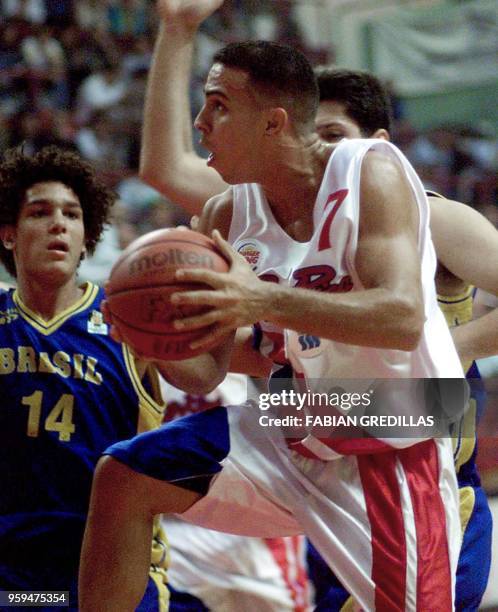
{"points": [[142, 281]]}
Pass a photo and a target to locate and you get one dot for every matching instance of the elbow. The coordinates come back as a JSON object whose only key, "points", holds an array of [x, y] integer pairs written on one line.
{"points": [[203, 387], [411, 339], [204, 382], [149, 176], [410, 324]]}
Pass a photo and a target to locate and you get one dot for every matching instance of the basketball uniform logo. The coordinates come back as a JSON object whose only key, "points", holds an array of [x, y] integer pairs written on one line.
{"points": [[251, 251], [7, 316], [96, 323]]}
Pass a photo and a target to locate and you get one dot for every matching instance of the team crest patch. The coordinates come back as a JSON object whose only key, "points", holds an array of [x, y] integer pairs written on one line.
{"points": [[251, 252], [7, 316], [96, 323]]}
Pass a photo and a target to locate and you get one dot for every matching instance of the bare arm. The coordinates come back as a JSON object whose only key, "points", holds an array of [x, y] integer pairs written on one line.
{"points": [[198, 375], [466, 243], [245, 358], [388, 313], [477, 339], [168, 161]]}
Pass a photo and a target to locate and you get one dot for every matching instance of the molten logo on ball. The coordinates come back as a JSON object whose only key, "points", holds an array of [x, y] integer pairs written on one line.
{"points": [[142, 282], [171, 257]]}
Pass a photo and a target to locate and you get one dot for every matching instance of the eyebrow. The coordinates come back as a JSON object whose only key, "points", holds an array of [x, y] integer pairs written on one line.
{"points": [[215, 92], [334, 123], [44, 200]]}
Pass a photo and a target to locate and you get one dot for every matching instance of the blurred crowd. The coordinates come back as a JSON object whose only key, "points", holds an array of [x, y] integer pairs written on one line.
{"points": [[74, 74]]}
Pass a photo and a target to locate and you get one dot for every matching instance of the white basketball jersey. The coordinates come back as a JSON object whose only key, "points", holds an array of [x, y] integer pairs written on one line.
{"points": [[327, 263]]}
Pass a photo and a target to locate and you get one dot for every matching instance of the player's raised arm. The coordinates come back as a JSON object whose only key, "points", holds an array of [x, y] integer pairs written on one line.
{"points": [[168, 161]]}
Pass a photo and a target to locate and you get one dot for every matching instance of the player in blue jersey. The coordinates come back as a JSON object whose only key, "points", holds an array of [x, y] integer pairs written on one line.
{"points": [[68, 389]]}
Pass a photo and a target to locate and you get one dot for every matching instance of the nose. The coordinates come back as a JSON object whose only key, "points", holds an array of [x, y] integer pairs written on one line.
{"points": [[57, 222], [200, 122]]}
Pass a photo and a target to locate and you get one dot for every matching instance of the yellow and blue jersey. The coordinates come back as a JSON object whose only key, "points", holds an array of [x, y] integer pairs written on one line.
{"points": [[457, 310], [475, 555], [68, 392]]}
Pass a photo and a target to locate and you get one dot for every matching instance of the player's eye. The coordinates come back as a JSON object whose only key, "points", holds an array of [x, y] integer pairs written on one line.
{"points": [[218, 106], [37, 213], [330, 136], [71, 214]]}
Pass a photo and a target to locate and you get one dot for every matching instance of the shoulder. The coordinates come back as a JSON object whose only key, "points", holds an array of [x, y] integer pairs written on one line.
{"points": [[381, 167], [217, 213]]}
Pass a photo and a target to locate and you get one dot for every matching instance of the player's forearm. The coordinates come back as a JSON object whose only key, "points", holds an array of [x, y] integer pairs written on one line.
{"points": [[477, 339], [168, 161], [245, 359], [165, 129], [198, 375], [375, 317]]}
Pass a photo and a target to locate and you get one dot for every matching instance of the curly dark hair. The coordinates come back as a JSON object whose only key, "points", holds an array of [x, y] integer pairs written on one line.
{"points": [[19, 172]]}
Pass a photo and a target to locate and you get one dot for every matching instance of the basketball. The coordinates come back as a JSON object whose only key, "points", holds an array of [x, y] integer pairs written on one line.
{"points": [[142, 281]]}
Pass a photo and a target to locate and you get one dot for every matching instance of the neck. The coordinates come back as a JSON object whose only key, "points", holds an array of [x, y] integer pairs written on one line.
{"points": [[292, 183], [48, 301]]}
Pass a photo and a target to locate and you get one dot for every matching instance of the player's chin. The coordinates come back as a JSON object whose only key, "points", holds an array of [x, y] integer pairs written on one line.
{"points": [[216, 162], [57, 271]]}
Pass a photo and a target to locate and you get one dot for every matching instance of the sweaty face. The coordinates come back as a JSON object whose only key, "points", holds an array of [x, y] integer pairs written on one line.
{"points": [[49, 236], [333, 124], [231, 123]]}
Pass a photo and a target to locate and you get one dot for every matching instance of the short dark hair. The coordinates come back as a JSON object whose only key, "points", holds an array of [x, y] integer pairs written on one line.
{"points": [[18, 172], [278, 71], [364, 97]]}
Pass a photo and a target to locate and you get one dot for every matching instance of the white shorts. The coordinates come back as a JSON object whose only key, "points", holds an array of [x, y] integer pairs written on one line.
{"points": [[387, 523]]}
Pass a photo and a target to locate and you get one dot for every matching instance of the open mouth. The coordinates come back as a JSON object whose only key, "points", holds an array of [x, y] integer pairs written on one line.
{"points": [[58, 245]]}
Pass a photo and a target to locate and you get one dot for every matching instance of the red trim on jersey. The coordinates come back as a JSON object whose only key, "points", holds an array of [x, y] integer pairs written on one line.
{"points": [[293, 570], [383, 504], [421, 465], [277, 352], [356, 446], [353, 446]]}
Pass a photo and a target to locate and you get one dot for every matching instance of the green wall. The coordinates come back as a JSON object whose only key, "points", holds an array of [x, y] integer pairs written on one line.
{"points": [[471, 105]]}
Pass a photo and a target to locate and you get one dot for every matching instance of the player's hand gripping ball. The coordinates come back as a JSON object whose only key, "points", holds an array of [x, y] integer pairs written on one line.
{"points": [[141, 283]]}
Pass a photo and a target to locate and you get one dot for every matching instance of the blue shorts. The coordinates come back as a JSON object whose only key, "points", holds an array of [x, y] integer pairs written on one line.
{"points": [[164, 457]]}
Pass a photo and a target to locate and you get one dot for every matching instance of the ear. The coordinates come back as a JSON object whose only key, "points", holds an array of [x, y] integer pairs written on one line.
{"points": [[8, 236], [83, 253], [277, 119], [382, 134]]}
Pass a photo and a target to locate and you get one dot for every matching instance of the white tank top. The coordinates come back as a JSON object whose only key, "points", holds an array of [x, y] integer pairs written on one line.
{"points": [[326, 263]]}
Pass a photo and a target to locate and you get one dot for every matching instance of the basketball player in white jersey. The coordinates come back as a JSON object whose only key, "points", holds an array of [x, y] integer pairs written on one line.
{"points": [[351, 221], [170, 164]]}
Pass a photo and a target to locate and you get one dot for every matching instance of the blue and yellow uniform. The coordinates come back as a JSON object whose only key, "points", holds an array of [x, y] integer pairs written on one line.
{"points": [[69, 391], [475, 556]]}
